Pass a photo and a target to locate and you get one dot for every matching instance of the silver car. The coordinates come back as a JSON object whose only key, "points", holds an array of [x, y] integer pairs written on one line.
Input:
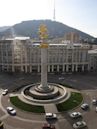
{"points": [[11, 110], [85, 106], [51, 116], [79, 125], [5, 92], [94, 102], [75, 115]]}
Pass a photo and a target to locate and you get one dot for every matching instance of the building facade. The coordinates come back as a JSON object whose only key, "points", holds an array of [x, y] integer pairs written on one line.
{"points": [[23, 55], [72, 37], [93, 59]]}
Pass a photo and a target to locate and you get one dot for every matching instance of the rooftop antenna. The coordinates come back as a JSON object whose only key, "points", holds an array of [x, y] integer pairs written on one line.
{"points": [[54, 18]]}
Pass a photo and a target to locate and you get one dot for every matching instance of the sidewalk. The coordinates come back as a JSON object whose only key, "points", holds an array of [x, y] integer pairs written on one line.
{"points": [[50, 108]]}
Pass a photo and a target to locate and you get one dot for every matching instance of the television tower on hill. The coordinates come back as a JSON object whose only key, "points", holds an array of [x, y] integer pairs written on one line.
{"points": [[54, 16]]}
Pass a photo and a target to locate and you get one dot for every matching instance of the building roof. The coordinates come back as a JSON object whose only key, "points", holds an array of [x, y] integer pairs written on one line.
{"points": [[92, 51], [18, 38]]}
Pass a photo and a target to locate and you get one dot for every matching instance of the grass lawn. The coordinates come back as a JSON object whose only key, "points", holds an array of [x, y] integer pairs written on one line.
{"points": [[26, 107], [74, 100]]}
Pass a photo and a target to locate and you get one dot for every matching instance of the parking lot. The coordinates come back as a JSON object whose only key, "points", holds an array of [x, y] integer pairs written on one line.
{"points": [[86, 83]]}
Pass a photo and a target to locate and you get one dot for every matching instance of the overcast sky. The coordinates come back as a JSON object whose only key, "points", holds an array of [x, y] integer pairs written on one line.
{"points": [[80, 14]]}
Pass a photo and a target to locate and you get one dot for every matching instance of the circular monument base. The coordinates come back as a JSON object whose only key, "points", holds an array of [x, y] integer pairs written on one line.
{"points": [[42, 89], [56, 94], [39, 93]]}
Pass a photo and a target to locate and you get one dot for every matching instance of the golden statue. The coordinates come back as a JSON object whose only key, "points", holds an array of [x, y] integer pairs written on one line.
{"points": [[43, 34]]}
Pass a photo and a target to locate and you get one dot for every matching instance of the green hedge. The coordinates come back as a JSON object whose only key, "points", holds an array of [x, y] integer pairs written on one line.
{"points": [[26, 107], [74, 100]]}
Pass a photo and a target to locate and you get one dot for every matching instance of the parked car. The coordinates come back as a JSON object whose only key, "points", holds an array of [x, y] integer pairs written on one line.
{"points": [[75, 115], [11, 110], [85, 106], [51, 116], [79, 125], [94, 102], [96, 109], [5, 92], [48, 126]]}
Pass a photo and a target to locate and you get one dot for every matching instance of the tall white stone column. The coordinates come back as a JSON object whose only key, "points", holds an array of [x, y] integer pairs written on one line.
{"points": [[44, 68], [44, 46]]}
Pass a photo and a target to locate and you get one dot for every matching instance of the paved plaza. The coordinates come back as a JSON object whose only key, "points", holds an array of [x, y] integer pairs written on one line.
{"points": [[86, 83]]}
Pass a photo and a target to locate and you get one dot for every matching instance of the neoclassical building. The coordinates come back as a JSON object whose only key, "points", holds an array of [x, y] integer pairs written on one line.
{"points": [[23, 55]]}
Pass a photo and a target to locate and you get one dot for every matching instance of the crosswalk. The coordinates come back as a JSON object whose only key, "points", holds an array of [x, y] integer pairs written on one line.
{"points": [[50, 108]]}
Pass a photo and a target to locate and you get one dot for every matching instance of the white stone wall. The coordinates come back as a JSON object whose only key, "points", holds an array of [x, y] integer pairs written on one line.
{"points": [[25, 56]]}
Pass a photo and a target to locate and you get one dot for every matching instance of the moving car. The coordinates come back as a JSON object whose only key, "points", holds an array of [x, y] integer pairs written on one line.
{"points": [[51, 116], [11, 110], [85, 106], [48, 126], [75, 115], [5, 92], [94, 102], [79, 125]]}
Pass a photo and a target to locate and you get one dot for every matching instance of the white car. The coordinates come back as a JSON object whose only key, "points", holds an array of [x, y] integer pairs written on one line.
{"points": [[94, 102], [79, 125], [5, 92], [11, 110], [96, 109], [85, 106], [51, 116], [75, 115]]}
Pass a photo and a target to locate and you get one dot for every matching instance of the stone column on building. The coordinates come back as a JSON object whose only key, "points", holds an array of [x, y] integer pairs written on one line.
{"points": [[52, 68], [88, 67], [57, 68], [30, 68], [13, 70], [25, 68], [48, 68], [66, 67], [38, 68], [63, 69], [22, 70], [72, 67], [76, 67], [83, 67]]}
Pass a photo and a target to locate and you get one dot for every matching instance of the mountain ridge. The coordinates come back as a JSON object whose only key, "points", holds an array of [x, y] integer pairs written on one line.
{"points": [[30, 28]]}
